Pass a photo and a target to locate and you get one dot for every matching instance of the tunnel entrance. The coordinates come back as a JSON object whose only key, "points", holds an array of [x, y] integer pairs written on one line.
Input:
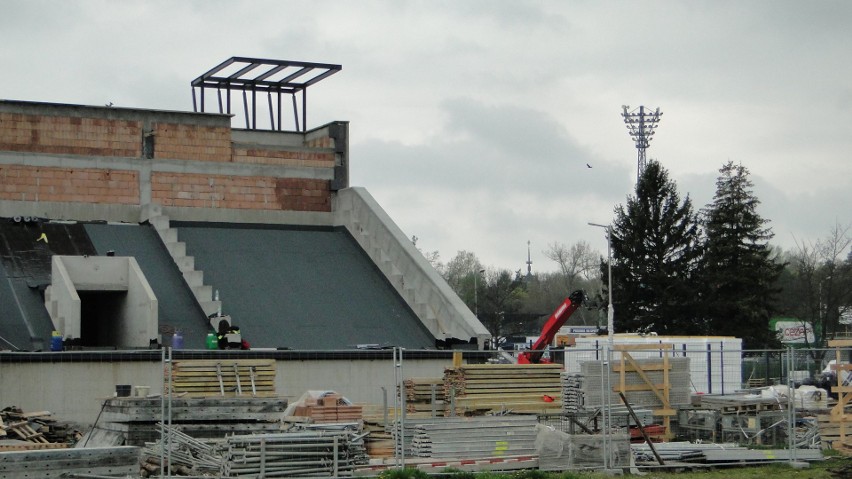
{"points": [[101, 317]]}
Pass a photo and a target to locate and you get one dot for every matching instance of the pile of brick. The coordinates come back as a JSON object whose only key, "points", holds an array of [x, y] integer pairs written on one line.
{"points": [[328, 408]]}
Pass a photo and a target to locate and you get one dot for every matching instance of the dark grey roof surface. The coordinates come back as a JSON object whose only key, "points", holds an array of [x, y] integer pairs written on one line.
{"points": [[25, 257], [301, 288], [25, 263], [177, 308]]}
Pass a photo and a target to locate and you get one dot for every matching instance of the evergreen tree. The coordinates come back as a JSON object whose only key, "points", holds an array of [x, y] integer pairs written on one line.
{"points": [[656, 248], [739, 272]]}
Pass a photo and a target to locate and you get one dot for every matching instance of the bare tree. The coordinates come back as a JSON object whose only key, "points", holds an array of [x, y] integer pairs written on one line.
{"points": [[822, 283], [576, 262]]}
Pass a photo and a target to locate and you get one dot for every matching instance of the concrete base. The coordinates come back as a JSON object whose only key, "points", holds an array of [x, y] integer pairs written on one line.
{"points": [[800, 464]]}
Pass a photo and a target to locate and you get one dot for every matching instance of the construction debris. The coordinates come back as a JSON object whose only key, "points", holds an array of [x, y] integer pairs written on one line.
{"points": [[558, 451], [34, 430], [179, 454]]}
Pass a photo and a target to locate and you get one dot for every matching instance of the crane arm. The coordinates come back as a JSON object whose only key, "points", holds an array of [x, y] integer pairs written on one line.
{"points": [[551, 327]]}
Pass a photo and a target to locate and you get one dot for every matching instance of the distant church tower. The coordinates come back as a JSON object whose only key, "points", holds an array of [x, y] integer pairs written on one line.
{"points": [[529, 262]]}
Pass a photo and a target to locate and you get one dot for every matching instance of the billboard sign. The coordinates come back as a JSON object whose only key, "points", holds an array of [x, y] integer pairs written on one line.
{"points": [[794, 332]]}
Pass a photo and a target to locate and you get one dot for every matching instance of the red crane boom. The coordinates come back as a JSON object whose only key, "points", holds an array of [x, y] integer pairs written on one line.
{"points": [[551, 327]]}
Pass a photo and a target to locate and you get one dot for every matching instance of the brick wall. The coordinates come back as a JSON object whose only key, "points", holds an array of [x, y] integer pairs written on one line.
{"points": [[81, 185], [192, 142], [240, 192], [204, 141], [265, 156], [70, 135]]}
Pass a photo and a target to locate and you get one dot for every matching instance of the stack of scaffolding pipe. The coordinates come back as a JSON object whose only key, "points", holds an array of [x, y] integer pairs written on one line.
{"points": [[476, 437], [301, 454], [406, 434], [572, 392]]}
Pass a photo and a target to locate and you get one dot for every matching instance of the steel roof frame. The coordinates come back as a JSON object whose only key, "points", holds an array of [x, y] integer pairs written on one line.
{"points": [[304, 74]]}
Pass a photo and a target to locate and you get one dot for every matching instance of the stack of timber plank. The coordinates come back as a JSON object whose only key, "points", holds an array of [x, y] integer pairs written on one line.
{"points": [[482, 388], [424, 395], [475, 437], [135, 420], [223, 378]]}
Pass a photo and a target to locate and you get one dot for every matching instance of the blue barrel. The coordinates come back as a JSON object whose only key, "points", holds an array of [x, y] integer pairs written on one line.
{"points": [[177, 340], [56, 341]]}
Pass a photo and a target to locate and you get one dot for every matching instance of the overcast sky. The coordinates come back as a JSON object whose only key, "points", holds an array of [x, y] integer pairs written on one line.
{"points": [[472, 122]]}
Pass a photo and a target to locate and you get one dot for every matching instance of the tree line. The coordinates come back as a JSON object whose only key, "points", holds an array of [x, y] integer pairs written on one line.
{"points": [[676, 271]]}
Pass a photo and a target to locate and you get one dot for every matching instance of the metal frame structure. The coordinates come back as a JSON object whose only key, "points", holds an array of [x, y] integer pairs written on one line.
{"points": [[641, 123], [256, 75]]}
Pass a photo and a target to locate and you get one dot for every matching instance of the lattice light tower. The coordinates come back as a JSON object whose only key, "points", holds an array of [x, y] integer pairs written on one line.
{"points": [[641, 123]]}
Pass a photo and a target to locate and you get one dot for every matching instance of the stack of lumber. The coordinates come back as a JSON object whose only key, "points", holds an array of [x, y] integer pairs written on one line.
{"points": [[835, 432], [379, 441], [420, 394], [33, 430], [330, 408], [476, 388], [136, 420], [223, 378], [475, 437]]}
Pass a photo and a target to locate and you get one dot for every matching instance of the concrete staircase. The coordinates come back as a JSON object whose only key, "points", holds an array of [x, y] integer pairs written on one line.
{"points": [[415, 280], [186, 264]]}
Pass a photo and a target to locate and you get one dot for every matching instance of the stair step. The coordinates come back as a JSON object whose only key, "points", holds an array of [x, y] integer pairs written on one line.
{"points": [[210, 307], [159, 222], [176, 249], [194, 278], [169, 235], [185, 263], [203, 293]]}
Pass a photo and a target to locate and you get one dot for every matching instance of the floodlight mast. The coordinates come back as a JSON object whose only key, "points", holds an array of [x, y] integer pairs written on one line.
{"points": [[641, 124]]}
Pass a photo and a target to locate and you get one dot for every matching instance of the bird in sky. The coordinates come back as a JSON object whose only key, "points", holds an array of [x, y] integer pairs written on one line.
{"points": [[588, 165]]}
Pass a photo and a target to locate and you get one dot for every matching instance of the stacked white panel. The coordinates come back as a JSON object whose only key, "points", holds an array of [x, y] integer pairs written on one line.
{"points": [[715, 361]]}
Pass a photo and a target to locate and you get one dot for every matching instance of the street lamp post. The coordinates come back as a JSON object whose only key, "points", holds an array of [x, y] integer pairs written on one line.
{"points": [[476, 293], [610, 310]]}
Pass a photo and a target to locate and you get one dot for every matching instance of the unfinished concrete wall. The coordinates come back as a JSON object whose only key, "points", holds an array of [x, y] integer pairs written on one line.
{"points": [[135, 316], [74, 391]]}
